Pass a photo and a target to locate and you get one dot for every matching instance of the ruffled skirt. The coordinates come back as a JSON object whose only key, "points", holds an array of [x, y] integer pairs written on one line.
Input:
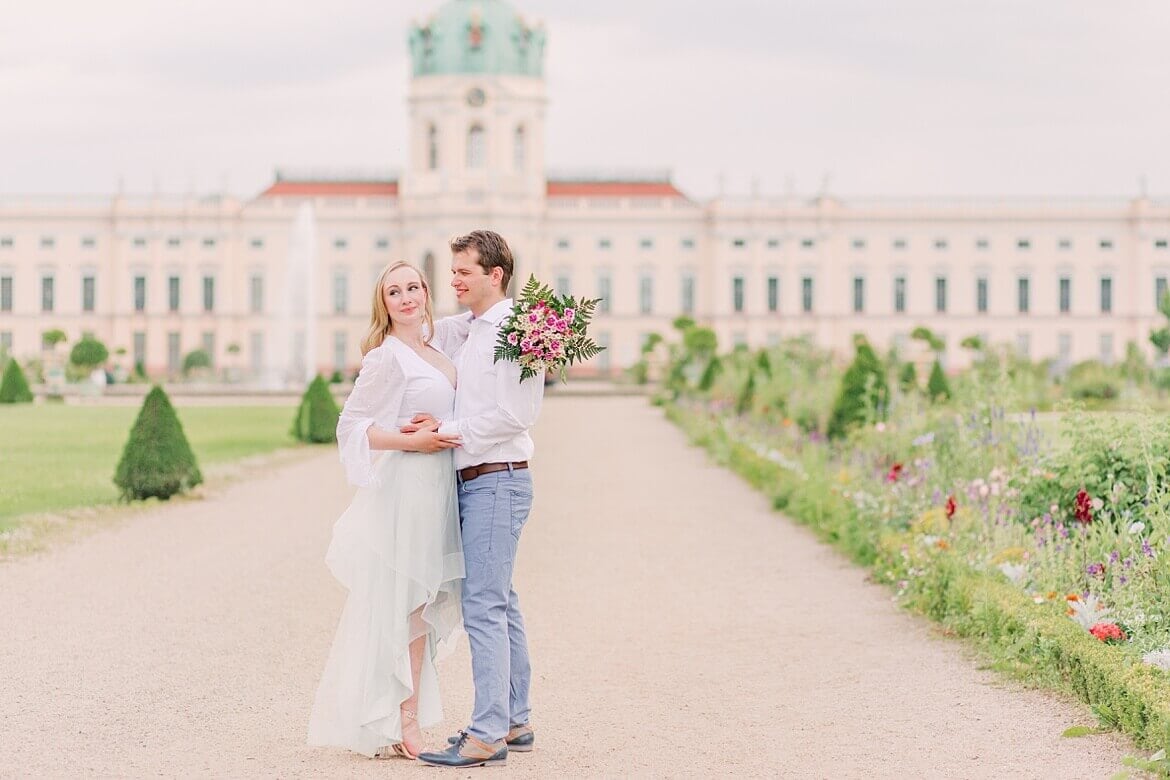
{"points": [[396, 548]]}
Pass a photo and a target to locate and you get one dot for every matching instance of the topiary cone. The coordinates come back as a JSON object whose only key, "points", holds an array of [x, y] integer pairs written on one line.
{"points": [[316, 420], [157, 460], [14, 387]]}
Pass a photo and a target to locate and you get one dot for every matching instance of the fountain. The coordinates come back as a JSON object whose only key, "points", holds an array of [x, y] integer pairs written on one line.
{"points": [[294, 359]]}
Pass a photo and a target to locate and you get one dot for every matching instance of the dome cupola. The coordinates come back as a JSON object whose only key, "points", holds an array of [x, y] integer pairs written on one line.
{"points": [[477, 36]]}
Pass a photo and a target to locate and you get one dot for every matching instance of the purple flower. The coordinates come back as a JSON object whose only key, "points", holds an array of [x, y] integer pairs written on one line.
{"points": [[1122, 580], [1114, 556], [1095, 570], [1127, 563], [1146, 549]]}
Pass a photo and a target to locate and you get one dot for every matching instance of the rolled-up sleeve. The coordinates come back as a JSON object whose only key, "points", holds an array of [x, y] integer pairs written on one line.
{"points": [[380, 386]]}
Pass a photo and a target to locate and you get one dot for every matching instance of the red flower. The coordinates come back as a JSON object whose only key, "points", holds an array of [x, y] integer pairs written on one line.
{"points": [[951, 507], [1083, 507], [894, 473], [1108, 632]]}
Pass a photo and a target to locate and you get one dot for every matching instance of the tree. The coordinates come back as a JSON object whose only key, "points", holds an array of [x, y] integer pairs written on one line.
{"points": [[51, 338], [88, 353], [710, 374], [973, 343], [764, 363], [196, 359], [922, 333], [14, 387], [908, 377], [743, 403], [864, 394], [700, 342], [157, 460], [683, 323], [937, 387], [316, 418]]}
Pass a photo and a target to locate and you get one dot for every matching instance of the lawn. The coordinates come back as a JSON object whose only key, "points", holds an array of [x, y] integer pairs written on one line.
{"points": [[59, 457]]}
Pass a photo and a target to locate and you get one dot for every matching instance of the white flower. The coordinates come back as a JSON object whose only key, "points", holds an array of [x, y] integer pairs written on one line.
{"points": [[1014, 571], [1089, 611], [1158, 658], [1137, 528], [926, 438]]}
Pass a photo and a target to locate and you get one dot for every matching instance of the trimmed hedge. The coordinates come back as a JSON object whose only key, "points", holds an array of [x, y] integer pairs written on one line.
{"points": [[14, 387], [316, 418], [157, 460], [971, 603]]}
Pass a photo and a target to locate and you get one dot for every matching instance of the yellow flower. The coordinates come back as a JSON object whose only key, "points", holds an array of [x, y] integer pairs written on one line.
{"points": [[1009, 555], [932, 521]]}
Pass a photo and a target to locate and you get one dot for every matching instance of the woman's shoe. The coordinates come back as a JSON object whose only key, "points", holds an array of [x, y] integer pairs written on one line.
{"points": [[412, 738]]}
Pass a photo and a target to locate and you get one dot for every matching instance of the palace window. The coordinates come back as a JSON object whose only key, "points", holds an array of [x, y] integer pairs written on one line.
{"points": [[859, 243], [1023, 243], [604, 285], [256, 293], [1065, 295], [209, 243], [981, 295], [139, 293], [340, 292], [139, 242], [604, 243], [139, 349], [340, 347], [257, 243], [646, 294], [737, 294], [208, 293], [174, 242], [6, 242], [739, 243], [687, 293], [563, 243], [340, 243], [940, 243], [1106, 294], [381, 242], [900, 294], [172, 293], [48, 242], [88, 242], [688, 243], [476, 147], [858, 294], [1106, 244], [646, 243], [773, 293], [519, 150], [982, 244], [806, 294], [940, 294], [88, 292], [1064, 349], [432, 147], [174, 353], [1064, 244], [564, 284], [1162, 243], [1106, 355], [900, 244], [1159, 292], [208, 343], [807, 243], [5, 293], [773, 243], [1023, 297]]}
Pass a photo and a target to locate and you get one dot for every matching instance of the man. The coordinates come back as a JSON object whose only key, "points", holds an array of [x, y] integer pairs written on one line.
{"points": [[494, 411]]}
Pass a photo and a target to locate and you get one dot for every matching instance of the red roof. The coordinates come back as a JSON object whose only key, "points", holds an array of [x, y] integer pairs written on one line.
{"points": [[332, 188], [613, 189]]}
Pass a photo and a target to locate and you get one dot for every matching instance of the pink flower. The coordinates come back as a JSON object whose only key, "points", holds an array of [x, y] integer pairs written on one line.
{"points": [[513, 338], [569, 315], [534, 318], [1108, 632]]}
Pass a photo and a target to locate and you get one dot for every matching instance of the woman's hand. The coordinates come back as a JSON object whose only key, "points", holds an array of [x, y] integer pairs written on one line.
{"points": [[428, 440]]}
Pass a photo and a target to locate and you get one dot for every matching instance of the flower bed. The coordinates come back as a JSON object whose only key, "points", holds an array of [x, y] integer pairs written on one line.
{"points": [[1055, 555]]}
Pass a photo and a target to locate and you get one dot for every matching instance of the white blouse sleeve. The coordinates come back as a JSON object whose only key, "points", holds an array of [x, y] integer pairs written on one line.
{"points": [[451, 332], [380, 386]]}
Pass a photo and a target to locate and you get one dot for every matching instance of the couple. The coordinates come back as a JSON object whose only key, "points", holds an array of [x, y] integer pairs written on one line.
{"points": [[430, 538]]}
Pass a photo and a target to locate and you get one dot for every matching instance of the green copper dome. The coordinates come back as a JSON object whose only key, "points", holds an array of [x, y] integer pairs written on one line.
{"points": [[477, 36]]}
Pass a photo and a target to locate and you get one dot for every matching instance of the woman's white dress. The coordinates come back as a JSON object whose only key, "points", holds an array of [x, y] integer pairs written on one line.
{"points": [[396, 548]]}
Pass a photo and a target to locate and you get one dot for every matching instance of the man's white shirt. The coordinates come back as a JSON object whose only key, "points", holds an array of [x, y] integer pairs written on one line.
{"points": [[493, 408]]}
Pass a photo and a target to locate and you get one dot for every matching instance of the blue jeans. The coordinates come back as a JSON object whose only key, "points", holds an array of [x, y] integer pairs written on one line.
{"points": [[493, 509]]}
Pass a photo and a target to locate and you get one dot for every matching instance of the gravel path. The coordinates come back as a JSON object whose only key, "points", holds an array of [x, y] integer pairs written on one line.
{"points": [[678, 628]]}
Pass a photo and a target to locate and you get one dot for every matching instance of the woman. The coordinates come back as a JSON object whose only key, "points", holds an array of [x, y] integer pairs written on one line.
{"points": [[397, 547]]}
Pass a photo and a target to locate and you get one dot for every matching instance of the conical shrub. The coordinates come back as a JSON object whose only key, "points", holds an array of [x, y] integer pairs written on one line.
{"points": [[864, 393], [157, 460], [937, 386], [316, 420], [14, 387]]}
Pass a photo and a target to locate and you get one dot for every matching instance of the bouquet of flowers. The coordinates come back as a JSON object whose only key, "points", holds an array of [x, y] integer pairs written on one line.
{"points": [[546, 331]]}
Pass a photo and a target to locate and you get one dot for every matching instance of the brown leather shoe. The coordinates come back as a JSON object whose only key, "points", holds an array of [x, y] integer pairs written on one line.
{"points": [[520, 739], [468, 751]]}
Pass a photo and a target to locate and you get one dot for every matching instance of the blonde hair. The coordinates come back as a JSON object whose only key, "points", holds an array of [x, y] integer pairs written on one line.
{"points": [[380, 324]]}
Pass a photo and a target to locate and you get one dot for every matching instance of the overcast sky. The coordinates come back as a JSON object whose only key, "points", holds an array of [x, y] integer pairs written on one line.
{"points": [[907, 97]]}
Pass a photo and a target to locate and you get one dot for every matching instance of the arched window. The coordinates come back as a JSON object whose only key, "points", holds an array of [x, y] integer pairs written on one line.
{"points": [[432, 148], [428, 269], [476, 147], [519, 152]]}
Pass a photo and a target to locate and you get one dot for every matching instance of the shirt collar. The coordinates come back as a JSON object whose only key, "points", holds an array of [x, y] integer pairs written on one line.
{"points": [[497, 312]]}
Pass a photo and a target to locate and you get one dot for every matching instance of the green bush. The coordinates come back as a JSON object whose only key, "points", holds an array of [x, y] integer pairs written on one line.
{"points": [[51, 338], [14, 387], [336, 378], [88, 353], [1092, 380], [316, 418], [157, 460], [196, 359], [863, 395], [710, 374], [743, 403], [908, 377], [937, 386]]}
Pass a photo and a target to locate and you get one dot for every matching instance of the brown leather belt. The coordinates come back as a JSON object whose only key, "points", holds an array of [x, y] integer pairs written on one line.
{"points": [[471, 472]]}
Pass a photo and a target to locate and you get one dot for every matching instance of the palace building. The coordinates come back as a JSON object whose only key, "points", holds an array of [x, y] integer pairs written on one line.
{"points": [[160, 276]]}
